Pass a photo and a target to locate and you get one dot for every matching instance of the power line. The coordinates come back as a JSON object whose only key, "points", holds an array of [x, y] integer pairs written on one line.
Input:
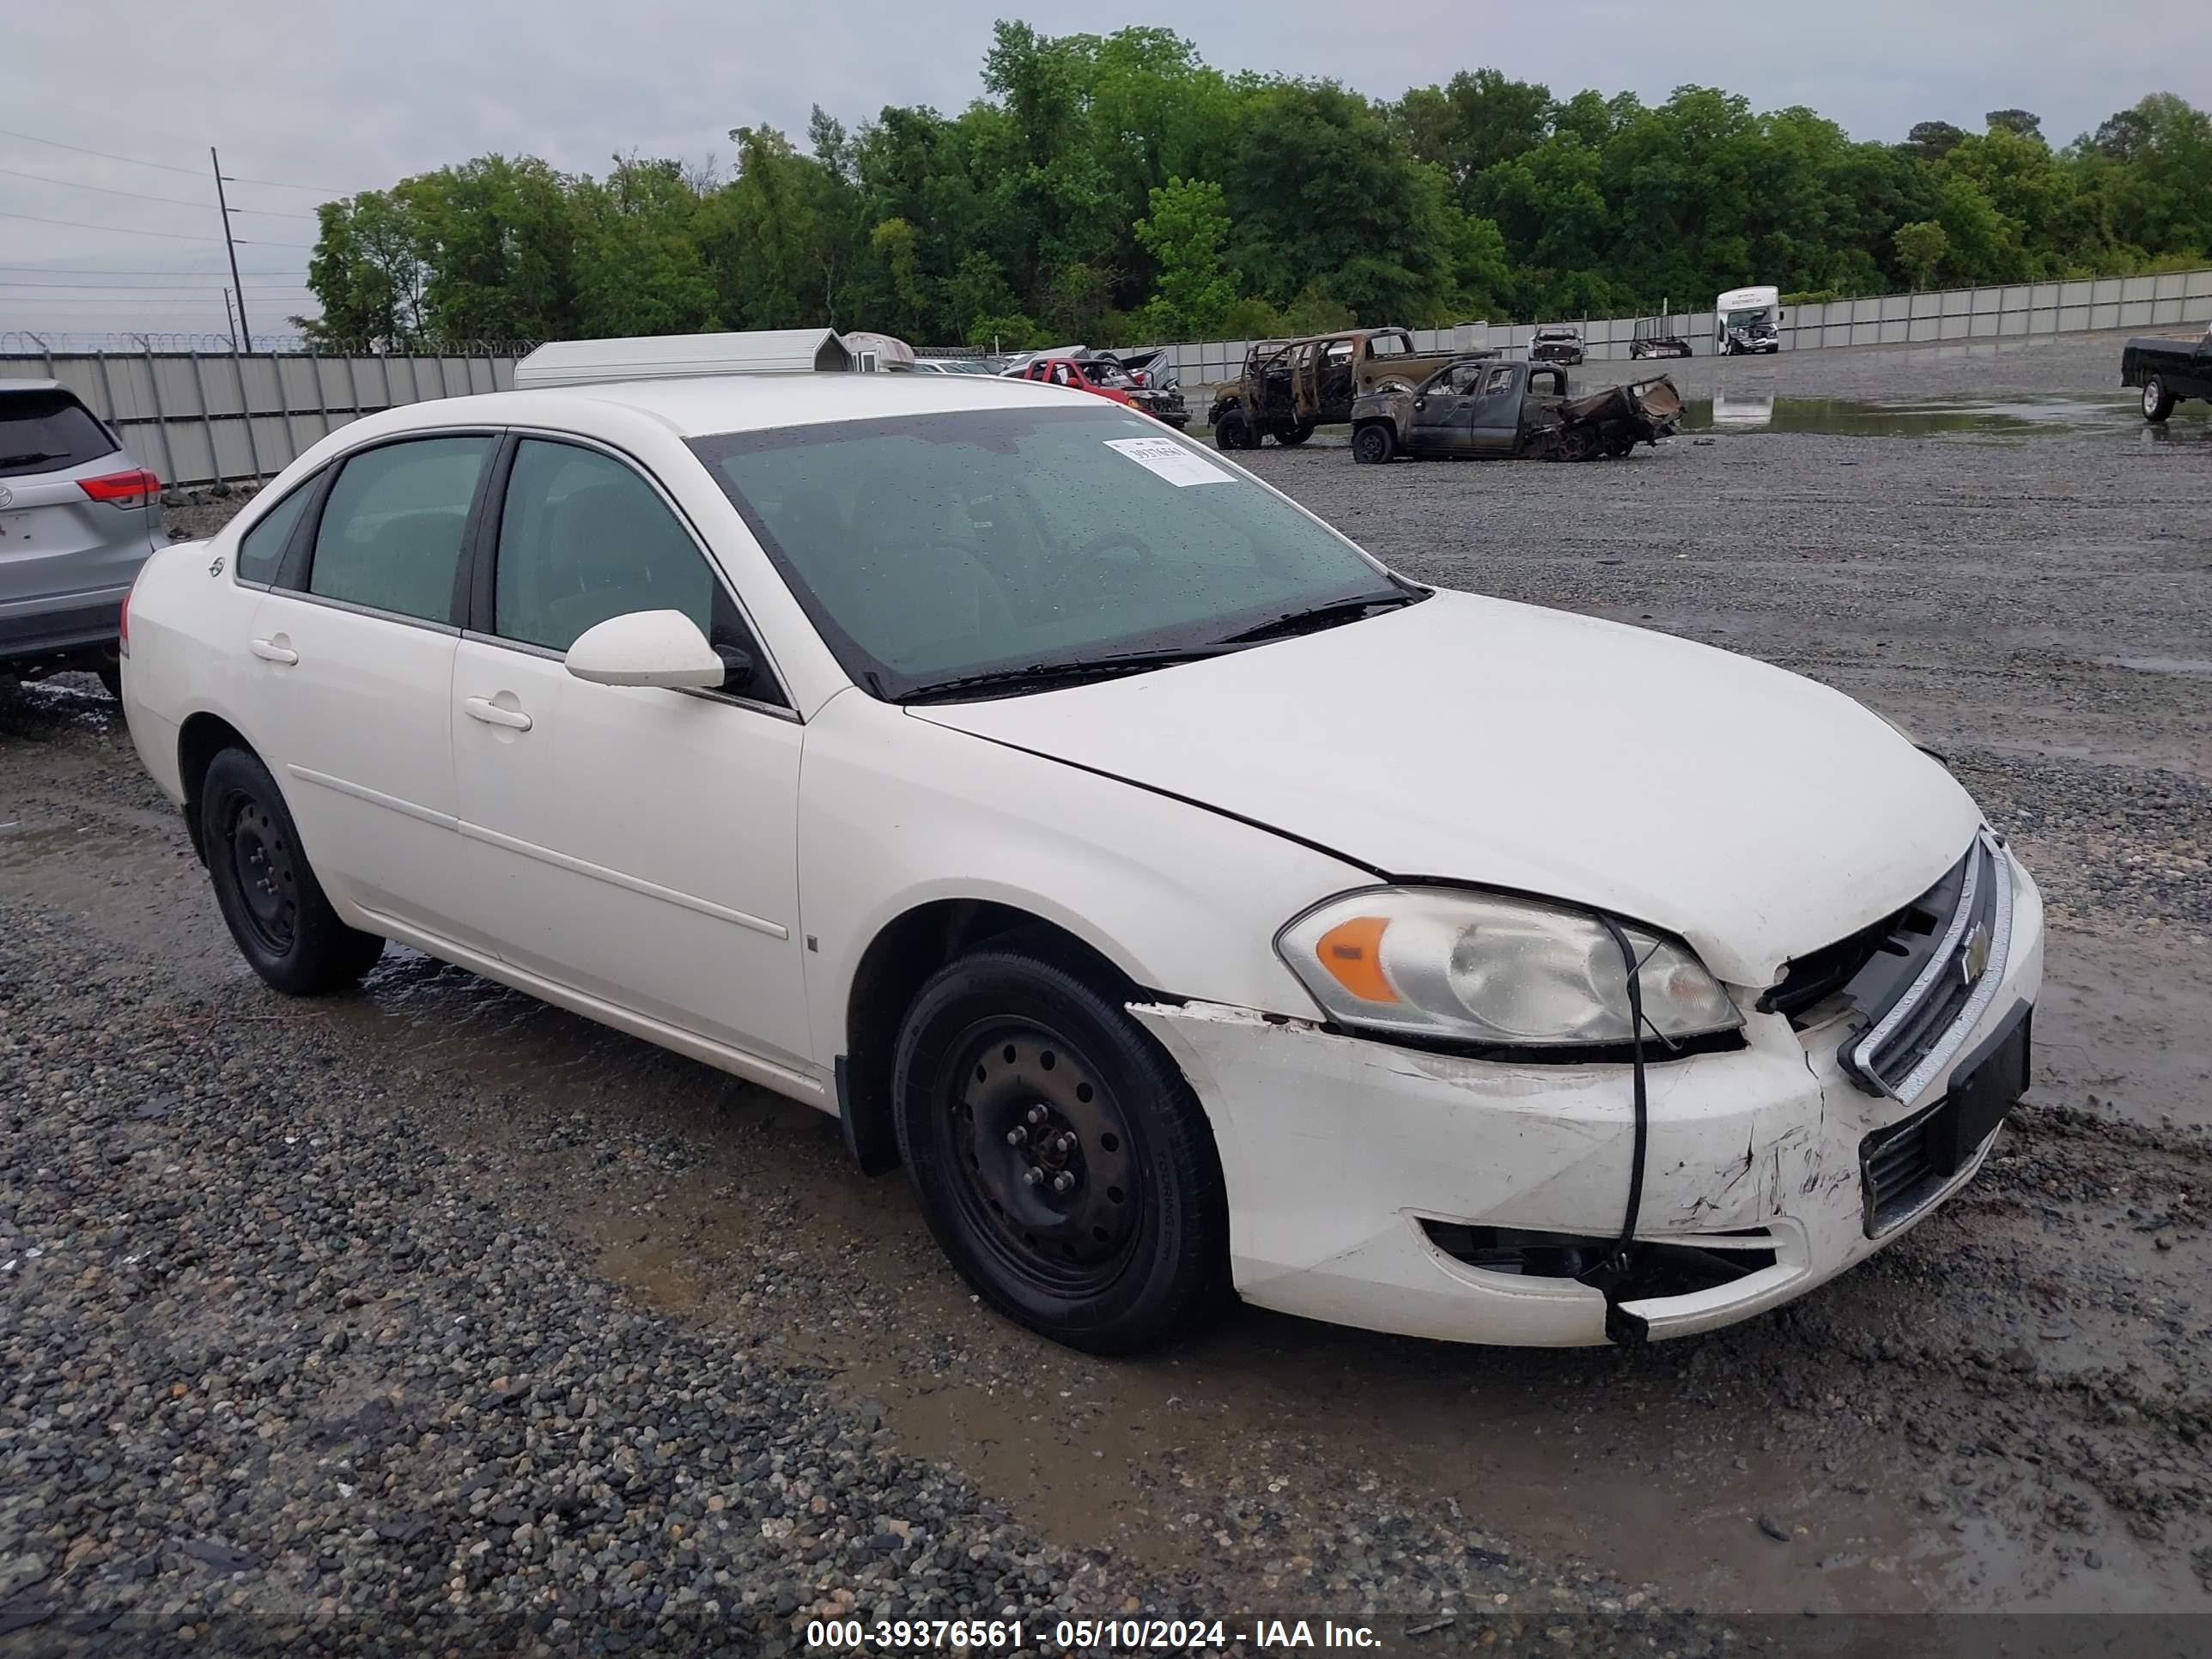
{"points": [[161, 288], [166, 167], [125, 230], [141, 195], [113, 270]]}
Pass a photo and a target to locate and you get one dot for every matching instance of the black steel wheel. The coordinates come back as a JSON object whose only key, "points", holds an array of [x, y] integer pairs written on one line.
{"points": [[1291, 437], [1371, 444], [269, 897], [1231, 431], [1044, 1155], [1061, 1159]]}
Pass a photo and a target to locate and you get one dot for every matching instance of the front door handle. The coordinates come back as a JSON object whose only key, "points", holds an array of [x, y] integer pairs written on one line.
{"points": [[269, 650], [484, 709]]}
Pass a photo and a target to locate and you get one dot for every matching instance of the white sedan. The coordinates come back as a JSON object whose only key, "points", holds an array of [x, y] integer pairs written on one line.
{"points": [[1188, 901]]}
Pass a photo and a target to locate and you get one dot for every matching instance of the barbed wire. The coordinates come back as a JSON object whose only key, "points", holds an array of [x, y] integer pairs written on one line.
{"points": [[27, 343]]}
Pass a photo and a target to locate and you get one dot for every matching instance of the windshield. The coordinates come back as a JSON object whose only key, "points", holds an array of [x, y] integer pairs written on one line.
{"points": [[938, 547], [1750, 319]]}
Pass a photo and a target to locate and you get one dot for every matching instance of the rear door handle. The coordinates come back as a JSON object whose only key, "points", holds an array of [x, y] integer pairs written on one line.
{"points": [[269, 650], [484, 709]]}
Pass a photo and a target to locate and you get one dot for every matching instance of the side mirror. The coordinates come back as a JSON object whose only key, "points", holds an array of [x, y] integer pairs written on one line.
{"points": [[647, 647], [1420, 403]]}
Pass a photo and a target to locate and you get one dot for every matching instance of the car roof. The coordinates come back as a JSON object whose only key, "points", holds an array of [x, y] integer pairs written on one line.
{"points": [[698, 406], [10, 384]]}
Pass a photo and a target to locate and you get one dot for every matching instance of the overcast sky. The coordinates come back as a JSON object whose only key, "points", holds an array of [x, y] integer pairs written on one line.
{"points": [[343, 97]]}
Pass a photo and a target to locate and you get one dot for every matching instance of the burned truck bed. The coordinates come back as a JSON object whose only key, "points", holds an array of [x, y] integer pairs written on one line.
{"points": [[1479, 408]]}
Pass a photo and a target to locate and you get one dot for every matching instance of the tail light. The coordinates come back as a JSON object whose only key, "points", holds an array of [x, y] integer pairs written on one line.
{"points": [[133, 489]]}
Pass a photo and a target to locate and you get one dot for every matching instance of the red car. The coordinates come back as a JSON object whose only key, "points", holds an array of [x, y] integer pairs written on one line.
{"points": [[1067, 371]]}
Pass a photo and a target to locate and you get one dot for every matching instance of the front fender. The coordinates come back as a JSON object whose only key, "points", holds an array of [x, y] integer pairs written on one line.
{"points": [[897, 812]]}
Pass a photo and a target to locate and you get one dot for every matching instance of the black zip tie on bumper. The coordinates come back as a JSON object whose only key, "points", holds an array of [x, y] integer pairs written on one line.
{"points": [[1622, 1326]]}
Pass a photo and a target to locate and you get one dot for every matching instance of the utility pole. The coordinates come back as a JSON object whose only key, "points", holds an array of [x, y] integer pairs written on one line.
{"points": [[231, 318], [224, 205]]}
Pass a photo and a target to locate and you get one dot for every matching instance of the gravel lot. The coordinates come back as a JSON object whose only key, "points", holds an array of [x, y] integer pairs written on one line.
{"points": [[430, 1319]]}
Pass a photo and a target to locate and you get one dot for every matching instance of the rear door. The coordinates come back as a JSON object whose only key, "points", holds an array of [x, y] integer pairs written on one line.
{"points": [[354, 645], [1495, 421], [78, 517]]}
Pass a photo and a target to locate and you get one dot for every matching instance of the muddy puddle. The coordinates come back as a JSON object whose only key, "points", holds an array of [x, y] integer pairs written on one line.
{"points": [[1755, 409], [711, 1198]]}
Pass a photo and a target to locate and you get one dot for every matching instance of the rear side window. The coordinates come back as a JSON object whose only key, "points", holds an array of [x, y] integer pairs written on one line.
{"points": [[47, 431], [391, 534], [261, 549]]}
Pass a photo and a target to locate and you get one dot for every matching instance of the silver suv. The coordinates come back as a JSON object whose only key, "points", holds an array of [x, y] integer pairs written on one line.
{"points": [[78, 517]]}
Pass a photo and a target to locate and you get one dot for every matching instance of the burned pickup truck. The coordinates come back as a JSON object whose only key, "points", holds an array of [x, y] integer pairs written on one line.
{"points": [[1290, 387], [1479, 408]]}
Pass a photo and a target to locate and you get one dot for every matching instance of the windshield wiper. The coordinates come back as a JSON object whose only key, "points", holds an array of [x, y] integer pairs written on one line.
{"points": [[29, 455], [1043, 676], [1320, 617]]}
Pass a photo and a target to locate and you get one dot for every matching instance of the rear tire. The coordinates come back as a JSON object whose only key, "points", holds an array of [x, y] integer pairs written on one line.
{"points": [[1372, 445], [1062, 1161], [109, 667], [268, 892], [1291, 437], [2157, 402]]}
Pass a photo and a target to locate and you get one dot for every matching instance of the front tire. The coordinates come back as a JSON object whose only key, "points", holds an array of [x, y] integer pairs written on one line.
{"points": [[1372, 444], [2157, 402], [1062, 1161], [1232, 432], [269, 897]]}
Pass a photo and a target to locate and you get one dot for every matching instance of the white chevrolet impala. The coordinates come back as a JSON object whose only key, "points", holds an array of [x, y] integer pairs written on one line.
{"points": [[1191, 904]]}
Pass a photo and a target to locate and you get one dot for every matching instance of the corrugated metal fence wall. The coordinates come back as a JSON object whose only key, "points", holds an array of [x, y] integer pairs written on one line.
{"points": [[223, 417], [212, 418], [2008, 312]]}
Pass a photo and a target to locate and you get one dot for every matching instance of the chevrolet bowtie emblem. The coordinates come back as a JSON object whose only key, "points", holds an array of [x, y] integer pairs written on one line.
{"points": [[1974, 955]]}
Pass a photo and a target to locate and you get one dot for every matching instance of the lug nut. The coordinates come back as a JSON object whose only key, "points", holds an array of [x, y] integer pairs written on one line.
{"points": [[1036, 1113], [1015, 1137], [1066, 1143], [1032, 1175], [1062, 1181]]}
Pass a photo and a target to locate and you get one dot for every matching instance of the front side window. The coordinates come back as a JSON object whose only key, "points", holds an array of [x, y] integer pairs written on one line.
{"points": [[1501, 379], [583, 537], [934, 548], [261, 549], [390, 533]]}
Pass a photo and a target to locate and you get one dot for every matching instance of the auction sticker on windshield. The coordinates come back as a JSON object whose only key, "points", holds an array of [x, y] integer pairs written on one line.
{"points": [[1179, 466]]}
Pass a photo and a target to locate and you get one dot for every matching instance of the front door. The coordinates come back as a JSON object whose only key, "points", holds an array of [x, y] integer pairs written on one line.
{"points": [[634, 843], [358, 655]]}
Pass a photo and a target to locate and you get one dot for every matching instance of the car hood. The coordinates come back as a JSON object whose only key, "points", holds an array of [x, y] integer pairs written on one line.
{"points": [[1755, 813]]}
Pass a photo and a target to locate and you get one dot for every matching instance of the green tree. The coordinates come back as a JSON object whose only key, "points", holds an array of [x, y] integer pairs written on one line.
{"points": [[1921, 249], [1186, 233]]}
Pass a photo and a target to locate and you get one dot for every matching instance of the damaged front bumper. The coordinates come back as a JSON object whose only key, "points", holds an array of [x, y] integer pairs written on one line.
{"points": [[1379, 1186]]}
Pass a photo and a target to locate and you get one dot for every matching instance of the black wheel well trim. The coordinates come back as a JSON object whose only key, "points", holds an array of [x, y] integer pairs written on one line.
{"points": [[200, 738], [899, 960]]}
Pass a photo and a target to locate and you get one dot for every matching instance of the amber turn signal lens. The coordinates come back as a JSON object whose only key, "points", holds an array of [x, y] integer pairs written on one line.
{"points": [[1351, 952]]}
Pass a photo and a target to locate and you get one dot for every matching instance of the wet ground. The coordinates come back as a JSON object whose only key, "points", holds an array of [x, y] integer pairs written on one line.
{"points": [[2009, 1409]]}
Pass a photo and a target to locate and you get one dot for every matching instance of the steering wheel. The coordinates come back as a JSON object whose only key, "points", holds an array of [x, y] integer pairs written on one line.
{"points": [[1082, 561]]}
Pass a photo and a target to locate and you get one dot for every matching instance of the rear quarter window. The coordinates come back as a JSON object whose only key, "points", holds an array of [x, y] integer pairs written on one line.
{"points": [[48, 431]]}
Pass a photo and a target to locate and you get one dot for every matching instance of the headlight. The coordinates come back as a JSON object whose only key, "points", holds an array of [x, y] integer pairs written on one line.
{"points": [[1435, 962]]}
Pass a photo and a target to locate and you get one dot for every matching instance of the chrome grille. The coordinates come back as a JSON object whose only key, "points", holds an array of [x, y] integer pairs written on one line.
{"points": [[1910, 1039]]}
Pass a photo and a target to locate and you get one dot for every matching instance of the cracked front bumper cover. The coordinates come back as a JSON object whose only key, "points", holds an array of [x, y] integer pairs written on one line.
{"points": [[1341, 1155]]}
